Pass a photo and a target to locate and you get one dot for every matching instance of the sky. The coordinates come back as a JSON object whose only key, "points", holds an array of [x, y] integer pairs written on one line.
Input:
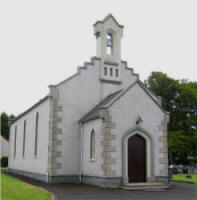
{"points": [[42, 42]]}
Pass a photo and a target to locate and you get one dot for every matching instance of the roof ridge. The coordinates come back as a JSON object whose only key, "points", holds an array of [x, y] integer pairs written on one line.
{"points": [[122, 93], [114, 93], [99, 105], [30, 108], [140, 83]]}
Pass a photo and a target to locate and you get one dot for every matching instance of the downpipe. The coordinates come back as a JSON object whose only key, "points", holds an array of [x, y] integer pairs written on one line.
{"points": [[81, 164]]}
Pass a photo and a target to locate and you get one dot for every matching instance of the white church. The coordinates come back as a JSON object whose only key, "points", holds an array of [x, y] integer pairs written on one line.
{"points": [[101, 126]]}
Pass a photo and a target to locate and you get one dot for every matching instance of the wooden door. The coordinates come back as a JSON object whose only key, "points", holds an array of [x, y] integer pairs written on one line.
{"points": [[136, 159]]}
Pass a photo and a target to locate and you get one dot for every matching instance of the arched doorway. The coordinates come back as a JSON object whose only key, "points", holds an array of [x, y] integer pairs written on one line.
{"points": [[136, 159]]}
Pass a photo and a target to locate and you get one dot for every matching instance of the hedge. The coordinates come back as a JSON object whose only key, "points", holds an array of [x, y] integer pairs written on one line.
{"points": [[4, 161]]}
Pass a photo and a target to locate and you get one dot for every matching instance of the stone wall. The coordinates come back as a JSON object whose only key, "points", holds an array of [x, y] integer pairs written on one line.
{"points": [[163, 140], [54, 132], [106, 144]]}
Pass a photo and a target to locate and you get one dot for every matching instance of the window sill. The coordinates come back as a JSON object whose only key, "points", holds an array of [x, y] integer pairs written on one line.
{"points": [[118, 82], [92, 160]]}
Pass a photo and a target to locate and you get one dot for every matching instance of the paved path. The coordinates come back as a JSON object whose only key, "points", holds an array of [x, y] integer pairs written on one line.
{"points": [[178, 191]]}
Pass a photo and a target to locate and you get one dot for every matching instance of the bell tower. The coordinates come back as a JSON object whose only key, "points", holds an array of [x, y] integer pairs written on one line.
{"points": [[108, 47]]}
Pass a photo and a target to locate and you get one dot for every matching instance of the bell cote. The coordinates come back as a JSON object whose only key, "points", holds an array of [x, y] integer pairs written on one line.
{"points": [[108, 47]]}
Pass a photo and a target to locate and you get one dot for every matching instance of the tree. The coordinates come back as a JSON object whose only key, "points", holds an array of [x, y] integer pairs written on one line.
{"points": [[180, 147], [5, 124], [179, 98]]}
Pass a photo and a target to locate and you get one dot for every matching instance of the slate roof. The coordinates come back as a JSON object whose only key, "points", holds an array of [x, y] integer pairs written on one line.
{"points": [[112, 98], [28, 110], [94, 113]]}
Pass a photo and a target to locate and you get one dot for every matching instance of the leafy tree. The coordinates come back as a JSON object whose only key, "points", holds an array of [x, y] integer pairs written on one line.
{"points": [[5, 124], [179, 98], [180, 147]]}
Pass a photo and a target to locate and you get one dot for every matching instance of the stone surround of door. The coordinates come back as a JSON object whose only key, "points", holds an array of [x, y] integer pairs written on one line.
{"points": [[149, 151]]}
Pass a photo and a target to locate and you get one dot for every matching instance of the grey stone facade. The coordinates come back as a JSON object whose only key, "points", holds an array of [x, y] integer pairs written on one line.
{"points": [[163, 140], [54, 132], [106, 144]]}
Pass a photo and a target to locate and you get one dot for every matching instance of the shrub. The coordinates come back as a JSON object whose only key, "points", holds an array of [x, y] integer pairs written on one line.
{"points": [[4, 161]]}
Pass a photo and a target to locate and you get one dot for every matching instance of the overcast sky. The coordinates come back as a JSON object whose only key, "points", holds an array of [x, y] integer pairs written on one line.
{"points": [[43, 42]]}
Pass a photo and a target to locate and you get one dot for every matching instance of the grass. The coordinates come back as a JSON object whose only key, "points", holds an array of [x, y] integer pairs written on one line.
{"points": [[182, 177], [14, 189]]}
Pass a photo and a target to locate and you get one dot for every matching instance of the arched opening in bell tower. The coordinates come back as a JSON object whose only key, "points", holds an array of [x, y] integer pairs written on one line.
{"points": [[109, 46]]}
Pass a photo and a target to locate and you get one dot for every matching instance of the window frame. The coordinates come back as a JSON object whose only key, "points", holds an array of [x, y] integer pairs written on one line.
{"points": [[36, 135], [105, 71], [111, 71], [15, 133], [117, 73], [24, 136], [109, 44], [92, 146]]}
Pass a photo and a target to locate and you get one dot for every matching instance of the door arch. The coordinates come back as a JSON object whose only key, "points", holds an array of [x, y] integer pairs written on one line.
{"points": [[150, 162], [136, 159]]}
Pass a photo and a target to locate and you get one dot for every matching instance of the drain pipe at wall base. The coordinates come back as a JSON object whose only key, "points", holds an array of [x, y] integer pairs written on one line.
{"points": [[81, 164]]}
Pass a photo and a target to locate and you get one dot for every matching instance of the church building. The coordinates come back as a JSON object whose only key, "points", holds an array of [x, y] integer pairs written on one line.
{"points": [[101, 126]]}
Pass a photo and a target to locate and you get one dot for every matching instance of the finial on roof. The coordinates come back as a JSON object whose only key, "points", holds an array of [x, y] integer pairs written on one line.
{"points": [[106, 18]]}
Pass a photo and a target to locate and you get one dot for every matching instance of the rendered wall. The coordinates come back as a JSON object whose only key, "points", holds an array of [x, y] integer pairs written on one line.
{"points": [[124, 114], [76, 97], [29, 162], [92, 167]]}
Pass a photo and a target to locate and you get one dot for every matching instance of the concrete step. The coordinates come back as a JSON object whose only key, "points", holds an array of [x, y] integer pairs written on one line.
{"points": [[145, 186]]}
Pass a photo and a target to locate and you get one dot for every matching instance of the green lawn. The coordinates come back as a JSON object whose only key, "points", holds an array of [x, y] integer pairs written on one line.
{"points": [[14, 189], [182, 177]]}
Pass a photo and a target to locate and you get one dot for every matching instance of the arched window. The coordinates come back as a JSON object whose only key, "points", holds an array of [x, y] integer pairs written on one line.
{"points": [[92, 145], [117, 74], [24, 134], [109, 44], [36, 134], [111, 72], [105, 71], [15, 141]]}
